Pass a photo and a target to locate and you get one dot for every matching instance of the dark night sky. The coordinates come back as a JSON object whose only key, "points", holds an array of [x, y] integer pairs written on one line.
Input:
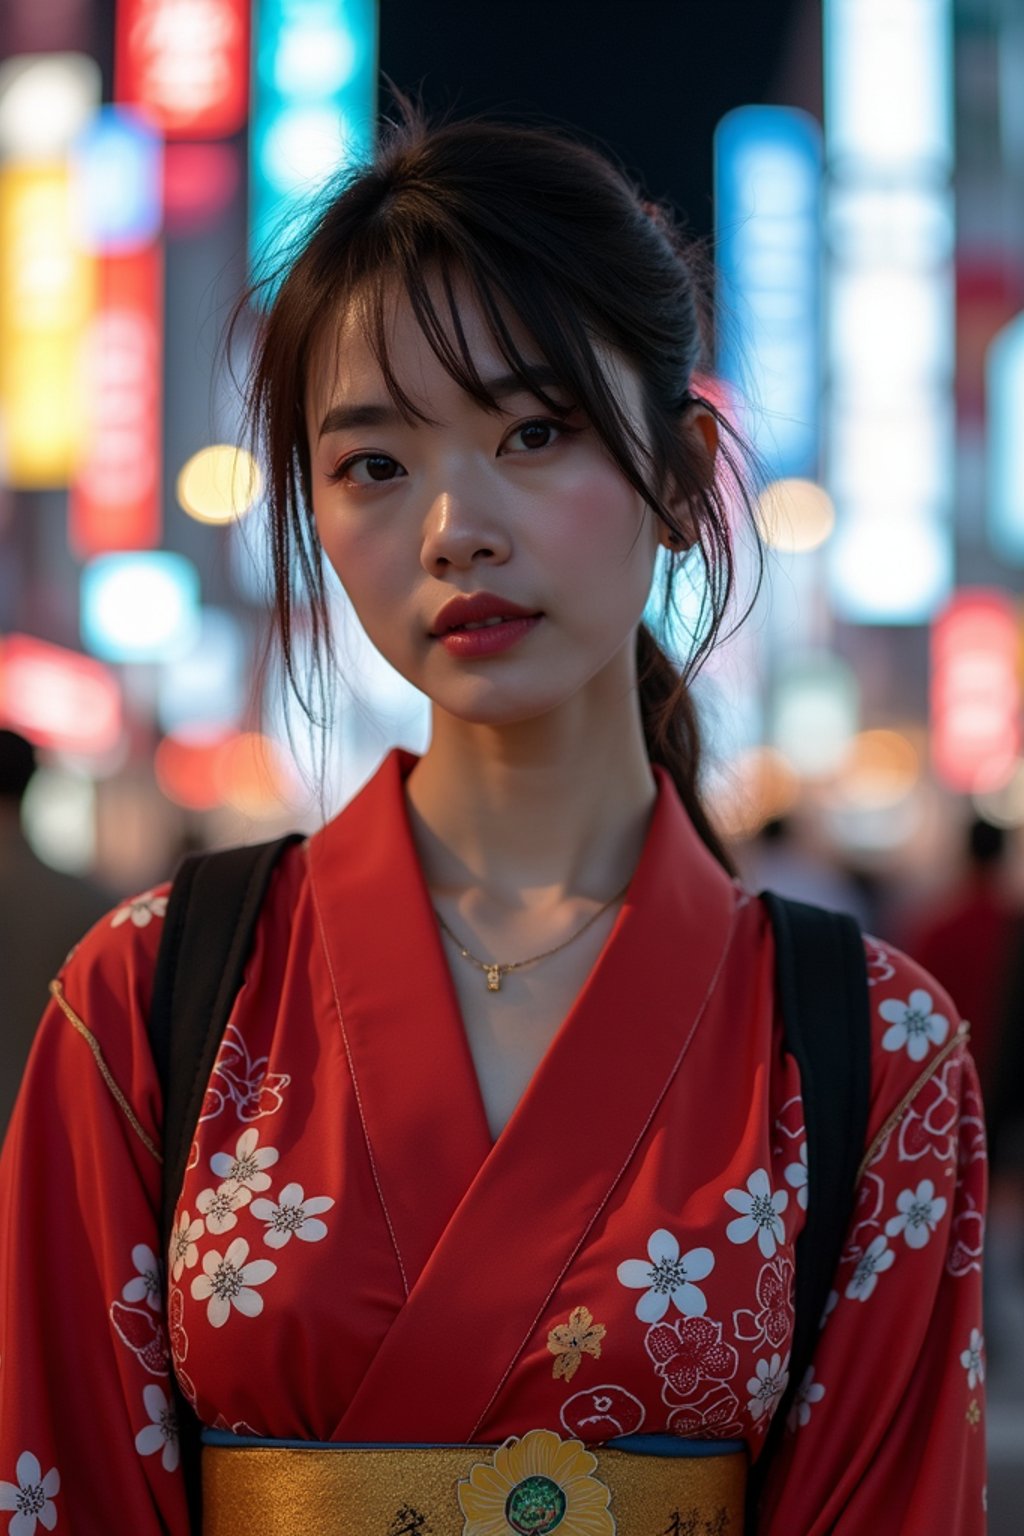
{"points": [[648, 79]]}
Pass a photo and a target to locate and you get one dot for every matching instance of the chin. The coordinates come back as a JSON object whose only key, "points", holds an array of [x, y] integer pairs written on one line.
{"points": [[499, 711]]}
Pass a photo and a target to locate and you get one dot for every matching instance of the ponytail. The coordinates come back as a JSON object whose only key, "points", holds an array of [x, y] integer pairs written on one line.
{"points": [[672, 734]]}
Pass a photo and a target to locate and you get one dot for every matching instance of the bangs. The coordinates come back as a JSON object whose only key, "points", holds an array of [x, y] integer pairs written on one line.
{"points": [[435, 279]]}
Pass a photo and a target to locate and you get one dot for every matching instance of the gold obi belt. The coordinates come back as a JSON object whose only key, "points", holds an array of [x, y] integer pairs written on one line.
{"points": [[534, 1485]]}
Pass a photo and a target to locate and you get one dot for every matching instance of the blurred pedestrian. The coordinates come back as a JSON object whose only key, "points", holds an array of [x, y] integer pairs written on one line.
{"points": [[42, 914], [781, 858], [968, 938]]}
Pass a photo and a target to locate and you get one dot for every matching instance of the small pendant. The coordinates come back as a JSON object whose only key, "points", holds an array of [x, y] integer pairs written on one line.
{"points": [[494, 978]]}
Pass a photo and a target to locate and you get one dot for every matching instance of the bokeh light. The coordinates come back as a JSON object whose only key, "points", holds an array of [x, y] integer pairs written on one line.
{"points": [[881, 768], [795, 515], [756, 787], [58, 815], [46, 99], [219, 484]]}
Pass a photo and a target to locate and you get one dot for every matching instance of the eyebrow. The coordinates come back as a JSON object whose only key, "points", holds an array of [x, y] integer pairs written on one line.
{"points": [[374, 414]]}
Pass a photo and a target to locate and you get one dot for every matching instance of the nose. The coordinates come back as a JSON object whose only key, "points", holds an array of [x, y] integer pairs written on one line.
{"points": [[461, 528]]}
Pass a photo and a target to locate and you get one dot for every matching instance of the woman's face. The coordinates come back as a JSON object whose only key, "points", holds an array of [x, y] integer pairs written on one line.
{"points": [[519, 505]]}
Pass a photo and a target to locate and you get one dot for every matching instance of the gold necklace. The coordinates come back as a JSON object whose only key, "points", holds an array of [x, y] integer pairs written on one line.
{"points": [[494, 970]]}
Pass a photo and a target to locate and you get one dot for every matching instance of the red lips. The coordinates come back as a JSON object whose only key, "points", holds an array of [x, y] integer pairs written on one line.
{"points": [[477, 608]]}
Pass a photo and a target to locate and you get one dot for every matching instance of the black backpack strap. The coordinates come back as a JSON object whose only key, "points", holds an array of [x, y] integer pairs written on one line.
{"points": [[822, 986], [208, 930]]}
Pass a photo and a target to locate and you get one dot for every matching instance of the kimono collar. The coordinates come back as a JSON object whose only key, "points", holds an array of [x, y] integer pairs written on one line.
{"points": [[445, 1191]]}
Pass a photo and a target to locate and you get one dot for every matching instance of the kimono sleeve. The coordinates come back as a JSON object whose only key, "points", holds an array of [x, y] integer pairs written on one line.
{"points": [[87, 1433], [886, 1433]]}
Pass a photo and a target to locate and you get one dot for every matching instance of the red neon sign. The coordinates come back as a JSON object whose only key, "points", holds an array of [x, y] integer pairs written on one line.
{"points": [[115, 498], [186, 62], [58, 698], [199, 182], [975, 692]]}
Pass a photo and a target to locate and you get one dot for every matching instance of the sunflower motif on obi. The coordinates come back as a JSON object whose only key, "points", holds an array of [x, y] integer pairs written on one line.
{"points": [[535, 1486]]}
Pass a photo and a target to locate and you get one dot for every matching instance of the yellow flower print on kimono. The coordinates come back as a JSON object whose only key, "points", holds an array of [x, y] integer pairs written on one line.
{"points": [[536, 1486], [569, 1342]]}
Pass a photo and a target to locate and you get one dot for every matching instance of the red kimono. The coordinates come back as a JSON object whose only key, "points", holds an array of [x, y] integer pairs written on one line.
{"points": [[353, 1260]]}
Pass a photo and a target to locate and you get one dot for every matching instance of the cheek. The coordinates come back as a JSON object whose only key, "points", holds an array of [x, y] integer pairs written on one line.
{"points": [[603, 537], [361, 559]]}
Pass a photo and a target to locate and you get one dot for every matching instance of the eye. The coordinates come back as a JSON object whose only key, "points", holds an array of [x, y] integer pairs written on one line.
{"points": [[539, 432], [373, 469]]}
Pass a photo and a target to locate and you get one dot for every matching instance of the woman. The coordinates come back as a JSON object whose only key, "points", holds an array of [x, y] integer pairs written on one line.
{"points": [[501, 1144]]}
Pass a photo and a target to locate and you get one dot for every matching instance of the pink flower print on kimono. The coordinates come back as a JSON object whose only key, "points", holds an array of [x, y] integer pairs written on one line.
{"points": [[668, 1277]]}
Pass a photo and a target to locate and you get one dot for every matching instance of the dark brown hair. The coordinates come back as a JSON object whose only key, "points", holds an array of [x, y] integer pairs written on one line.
{"points": [[543, 227]]}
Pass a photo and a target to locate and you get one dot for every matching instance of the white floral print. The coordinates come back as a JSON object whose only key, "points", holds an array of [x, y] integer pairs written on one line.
{"points": [[227, 1281], [218, 1206], [808, 1393], [183, 1252], [249, 1163], [761, 1213], [146, 1285], [141, 910], [912, 1025], [967, 1239], [920, 1211], [161, 1434], [31, 1498], [796, 1176], [876, 1258], [972, 1359], [767, 1386], [880, 966], [668, 1277], [239, 1080], [292, 1216]]}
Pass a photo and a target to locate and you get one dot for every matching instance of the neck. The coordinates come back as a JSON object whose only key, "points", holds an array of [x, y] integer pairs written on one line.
{"points": [[545, 809]]}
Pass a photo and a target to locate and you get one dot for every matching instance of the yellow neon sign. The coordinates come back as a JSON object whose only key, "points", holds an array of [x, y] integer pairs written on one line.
{"points": [[46, 297]]}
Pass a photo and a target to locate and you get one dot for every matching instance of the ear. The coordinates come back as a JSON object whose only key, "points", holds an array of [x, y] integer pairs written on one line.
{"points": [[700, 429]]}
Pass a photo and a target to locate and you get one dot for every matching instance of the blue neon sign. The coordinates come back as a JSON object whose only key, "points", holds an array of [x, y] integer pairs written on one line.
{"points": [[139, 607], [118, 181], [768, 163], [313, 110], [1005, 447]]}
